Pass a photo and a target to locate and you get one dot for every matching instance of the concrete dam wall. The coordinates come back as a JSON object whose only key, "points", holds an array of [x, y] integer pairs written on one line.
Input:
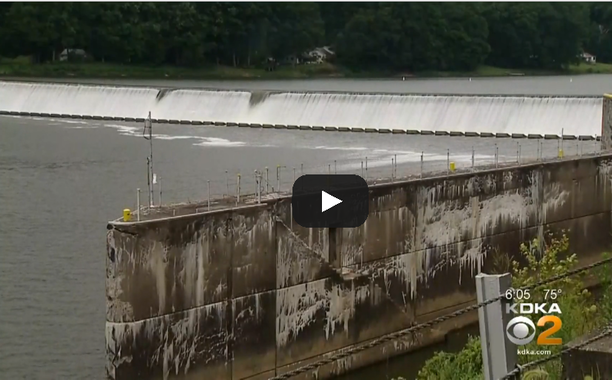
{"points": [[246, 293], [543, 115]]}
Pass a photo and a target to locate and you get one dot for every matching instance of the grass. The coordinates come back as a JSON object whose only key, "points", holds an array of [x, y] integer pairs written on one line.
{"points": [[21, 67]]}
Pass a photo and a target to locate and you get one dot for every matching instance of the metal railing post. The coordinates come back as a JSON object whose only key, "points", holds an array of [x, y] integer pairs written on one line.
{"points": [[138, 202], [499, 355], [208, 193]]}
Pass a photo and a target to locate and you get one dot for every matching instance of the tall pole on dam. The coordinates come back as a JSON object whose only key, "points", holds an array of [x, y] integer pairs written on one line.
{"points": [[148, 135]]}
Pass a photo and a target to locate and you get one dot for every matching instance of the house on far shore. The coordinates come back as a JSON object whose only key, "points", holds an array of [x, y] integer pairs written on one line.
{"points": [[72, 54], [588, 58]]}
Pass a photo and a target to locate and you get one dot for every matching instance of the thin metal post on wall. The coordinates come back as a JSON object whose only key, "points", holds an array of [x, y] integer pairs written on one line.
{"points": [[395, 169], [392, 169], [208, 193], [258, 181], [498, 353], [335, 168], [147, 133], [267, 180], [226, 184], [361, 169], [472, 158], [496, 156], [421, 164], [138, 203], [518, 152], [160, 192], [301, 169], [238, 189], [366, 168], [561, 153], [447, 161], [541, 149]]}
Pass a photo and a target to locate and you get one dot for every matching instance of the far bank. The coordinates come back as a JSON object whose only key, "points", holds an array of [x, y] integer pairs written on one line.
{"points": [[13, 68]]}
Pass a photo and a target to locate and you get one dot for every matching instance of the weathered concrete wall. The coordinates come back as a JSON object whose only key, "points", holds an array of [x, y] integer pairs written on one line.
{"points": [[247, 293], [606, 123]]}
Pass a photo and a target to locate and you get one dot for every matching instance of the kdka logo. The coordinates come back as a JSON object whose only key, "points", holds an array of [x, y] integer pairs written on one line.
{"points": [[521, 330]]}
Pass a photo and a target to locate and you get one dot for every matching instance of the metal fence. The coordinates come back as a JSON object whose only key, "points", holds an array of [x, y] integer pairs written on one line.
{"points": [[245, 187]]}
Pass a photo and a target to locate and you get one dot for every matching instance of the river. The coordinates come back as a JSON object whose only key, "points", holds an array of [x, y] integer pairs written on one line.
{"points": [[62, 180]]}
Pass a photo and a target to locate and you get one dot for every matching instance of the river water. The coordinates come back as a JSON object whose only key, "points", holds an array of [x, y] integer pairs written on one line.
{"points": [[62, 180]]}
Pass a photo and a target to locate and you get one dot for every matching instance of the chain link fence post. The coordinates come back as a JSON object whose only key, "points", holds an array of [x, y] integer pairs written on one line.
{"points": [[498, 353]]}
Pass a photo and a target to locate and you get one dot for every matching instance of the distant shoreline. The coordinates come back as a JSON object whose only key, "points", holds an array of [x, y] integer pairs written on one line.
{"points": [[10, 69]]}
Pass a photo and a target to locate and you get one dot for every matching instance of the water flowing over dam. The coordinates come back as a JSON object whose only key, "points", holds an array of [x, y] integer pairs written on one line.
{"points": [[497, 114]]}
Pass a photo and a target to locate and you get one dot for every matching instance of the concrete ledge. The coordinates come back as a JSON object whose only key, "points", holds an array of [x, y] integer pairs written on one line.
{"points": [[472, 134], [569, 137], [208, 123], [231, 124], [370, 130], [502, 135], [413, 132], [334, 129], [441, 133], [255, 125], [196, 122], [174, 121], [184, 121], [534, 136], [268, 126], [427, 133], [594, 359], [486, 134], [293, 126], [551, 137], [244, 125], [518, 135], [87, 117], [280, 126], [344, 129], [138, 119], [382, 352], [398, 131], [456, 133], [586, 138], [53, 115], [305, 127], [384, 130], [357, 129], [220, 123], [317, 128]]}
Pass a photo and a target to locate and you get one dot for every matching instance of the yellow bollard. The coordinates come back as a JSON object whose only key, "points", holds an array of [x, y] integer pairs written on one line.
{"points": [[127, 215], [452, 166], [560, 153]]}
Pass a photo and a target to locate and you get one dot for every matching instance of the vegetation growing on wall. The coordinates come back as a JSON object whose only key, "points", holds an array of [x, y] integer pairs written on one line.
{"points": [[581, 314]]}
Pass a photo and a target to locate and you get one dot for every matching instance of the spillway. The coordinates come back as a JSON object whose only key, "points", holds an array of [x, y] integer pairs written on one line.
{"points": [[505, 114]]}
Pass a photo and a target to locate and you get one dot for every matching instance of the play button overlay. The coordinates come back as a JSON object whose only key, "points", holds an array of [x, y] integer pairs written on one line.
{"points": [[330, 201]]}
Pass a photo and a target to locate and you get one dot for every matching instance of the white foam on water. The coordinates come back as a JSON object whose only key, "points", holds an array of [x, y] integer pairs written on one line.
{"points": [[359, 148], [214, 141], [125, 130], [168, 137]]}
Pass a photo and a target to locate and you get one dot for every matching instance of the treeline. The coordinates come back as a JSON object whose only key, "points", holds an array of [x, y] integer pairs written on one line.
{"points": [[383, 36]]}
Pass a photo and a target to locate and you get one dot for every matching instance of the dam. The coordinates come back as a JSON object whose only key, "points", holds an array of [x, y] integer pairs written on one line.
{"points": [[245, 293], [465, 114]]}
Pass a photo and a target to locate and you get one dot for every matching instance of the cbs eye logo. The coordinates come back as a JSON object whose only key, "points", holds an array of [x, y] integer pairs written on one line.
{"points": [[518, 333]]}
